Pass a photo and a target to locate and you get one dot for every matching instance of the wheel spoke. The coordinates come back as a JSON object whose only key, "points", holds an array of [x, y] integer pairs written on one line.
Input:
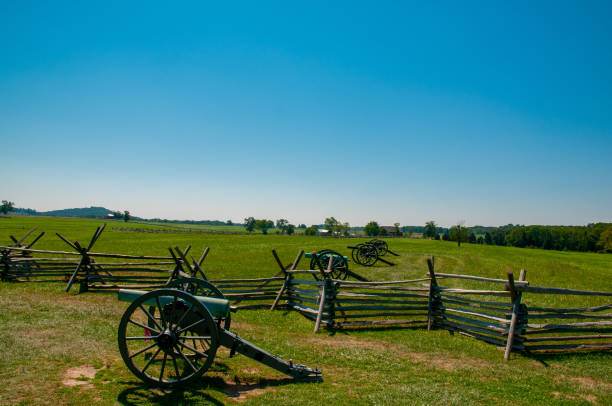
{"points": [[151, 318], [194, 338], [176, 369], [151, 360], [185, 358], [178, 323], [201, 354], [141, 338], [143, 350], [191, 326], [161, 312], [161, 374], [143, 326]]}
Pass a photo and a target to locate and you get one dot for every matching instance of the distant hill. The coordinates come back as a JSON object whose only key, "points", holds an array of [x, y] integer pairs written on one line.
{"points": [[88, 212]]}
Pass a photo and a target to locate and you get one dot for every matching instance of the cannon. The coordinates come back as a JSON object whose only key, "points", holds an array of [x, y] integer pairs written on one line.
{"points": [[169, 337], [370, 252], [331, 264]]}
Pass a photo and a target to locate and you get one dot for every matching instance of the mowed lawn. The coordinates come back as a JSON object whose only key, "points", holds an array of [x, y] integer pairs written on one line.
{"points": [[61, 348]]}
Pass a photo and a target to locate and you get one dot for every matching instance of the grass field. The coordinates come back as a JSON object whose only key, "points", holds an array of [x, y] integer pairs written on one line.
{"points": [[62, 348]]}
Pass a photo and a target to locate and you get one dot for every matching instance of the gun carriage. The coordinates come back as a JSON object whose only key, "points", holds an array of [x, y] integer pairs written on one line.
{"points": [[370, 252], [170, 336]]}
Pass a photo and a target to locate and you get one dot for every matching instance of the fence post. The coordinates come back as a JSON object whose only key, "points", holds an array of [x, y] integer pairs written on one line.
{"points": [[432, 296], [516, 300], [321, 306]]}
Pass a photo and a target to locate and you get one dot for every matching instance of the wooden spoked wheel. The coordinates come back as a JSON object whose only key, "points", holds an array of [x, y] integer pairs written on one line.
{"points": [[160, 350], [200, 287], [366, 254], [381, 246], [339, 264]]}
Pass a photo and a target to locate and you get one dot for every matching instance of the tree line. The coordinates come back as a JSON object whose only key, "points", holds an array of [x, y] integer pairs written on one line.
{"points": [[594, 237]]}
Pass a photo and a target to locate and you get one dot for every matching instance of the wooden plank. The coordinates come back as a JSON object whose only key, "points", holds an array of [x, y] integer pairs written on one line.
{"points": [[507, 306], [516, 299], [570, 346], [377, 323], [570, 325], [218, 281], [380, 294], [466, 327], [570, 310], [568, 316], [383, 301], [322, 302], [474, 313], [381, 283], [570, 338], [351, 308], [542, 289], [477, 278], [481, 323], [398, 314], [474, 292]]}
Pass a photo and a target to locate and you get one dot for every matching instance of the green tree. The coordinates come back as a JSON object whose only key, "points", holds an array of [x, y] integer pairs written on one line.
{"points": [[126, 216], [459, 233], [7, 206], [263, 225], [397, 228], [303, 226], [346, 228], [281, 224], [488, 239], [605, 240], [312, 230], [372, 229], [249, 224], [332, 225], [290, 229], [229, 223], [431, 229]]}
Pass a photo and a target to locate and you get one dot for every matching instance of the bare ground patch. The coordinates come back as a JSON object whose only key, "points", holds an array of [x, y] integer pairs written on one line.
{"points": [[79, 376]]}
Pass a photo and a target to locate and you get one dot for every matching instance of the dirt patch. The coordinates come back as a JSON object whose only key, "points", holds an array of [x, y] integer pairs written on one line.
{"points": [[447, 364], [588, 382], [79, 376], [241, 391]]}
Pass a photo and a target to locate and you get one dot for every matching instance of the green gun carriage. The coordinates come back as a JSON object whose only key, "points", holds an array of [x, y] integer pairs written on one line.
{"points": [[169, 337]]}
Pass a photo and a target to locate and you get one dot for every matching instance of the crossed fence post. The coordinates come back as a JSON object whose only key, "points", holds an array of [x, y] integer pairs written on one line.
{"points": [[516, 311], [288, 275], [86, 261]]}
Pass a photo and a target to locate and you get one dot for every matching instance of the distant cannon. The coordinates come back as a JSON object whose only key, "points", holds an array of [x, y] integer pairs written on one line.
{"points": [[169, 337], [370, 252], [331, 264]]}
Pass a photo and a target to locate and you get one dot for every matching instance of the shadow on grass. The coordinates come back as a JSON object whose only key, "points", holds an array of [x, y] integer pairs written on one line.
{"points": [[196, 393], [543, 357]]}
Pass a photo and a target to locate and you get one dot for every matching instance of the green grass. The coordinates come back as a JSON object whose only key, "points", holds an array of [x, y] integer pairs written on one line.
{"points": [[46, 332]]}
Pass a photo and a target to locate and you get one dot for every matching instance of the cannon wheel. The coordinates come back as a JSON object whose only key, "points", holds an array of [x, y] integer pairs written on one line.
{"points": [[200, 287], [367, 254], [162, 355], [339, 264], [381, 246]]}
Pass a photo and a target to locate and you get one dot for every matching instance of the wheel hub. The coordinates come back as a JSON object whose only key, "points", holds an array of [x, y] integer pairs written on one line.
{"points": [[167, 340]]}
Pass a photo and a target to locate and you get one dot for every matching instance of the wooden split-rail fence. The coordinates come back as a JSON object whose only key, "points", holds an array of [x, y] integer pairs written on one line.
{"points": [[508, 313]]}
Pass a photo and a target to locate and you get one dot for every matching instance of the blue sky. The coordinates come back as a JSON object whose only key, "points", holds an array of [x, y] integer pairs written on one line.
{"points": [[484, 112]]}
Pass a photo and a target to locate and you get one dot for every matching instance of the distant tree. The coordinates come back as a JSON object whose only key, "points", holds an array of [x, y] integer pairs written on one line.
{"points": [[431, 229], [346, 228], [471, 238], [281, 224], [117, 215], [605, 240], [480, 240], [372, 229], [249, 224], [397, 228], [331, 225], [458, 233], [126, 216], [229, 223], [487, 238], [7, 206], [312, 230], [263, 225], [445, 236], [382, 231], [290, 229], [303, 226]]}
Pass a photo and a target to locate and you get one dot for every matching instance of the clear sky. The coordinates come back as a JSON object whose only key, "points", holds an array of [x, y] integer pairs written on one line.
{"points": [[484, 112]]}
